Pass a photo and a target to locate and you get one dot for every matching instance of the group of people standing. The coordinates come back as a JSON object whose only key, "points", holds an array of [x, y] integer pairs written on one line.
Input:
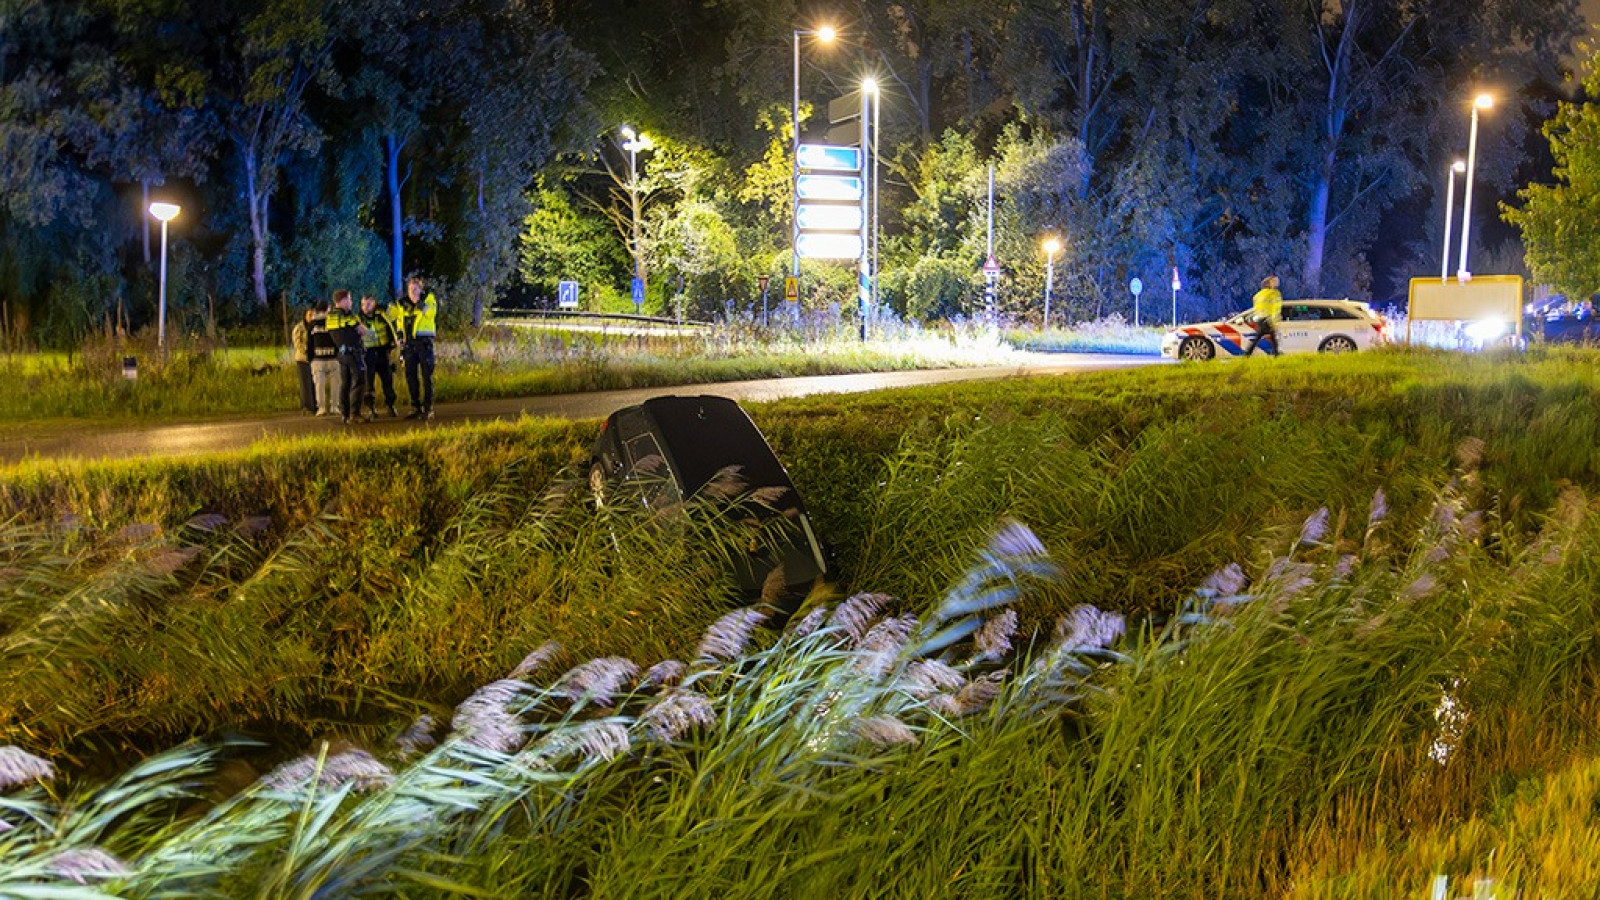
{"points": [[344, 354]]}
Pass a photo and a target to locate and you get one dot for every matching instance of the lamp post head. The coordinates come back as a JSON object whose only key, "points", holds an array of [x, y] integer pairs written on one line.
{"points": [[1459, 165], [869, 85], [1483, 101], [166, 212], [627, 132], [1052, 246], [826, 34]]}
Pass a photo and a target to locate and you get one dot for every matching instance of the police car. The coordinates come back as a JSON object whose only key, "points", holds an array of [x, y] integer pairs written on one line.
{"points": [[1307, 326]]}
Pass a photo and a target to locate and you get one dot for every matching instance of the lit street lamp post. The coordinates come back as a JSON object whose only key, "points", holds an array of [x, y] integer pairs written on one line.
{"points": [[1052, 246], [634, 143], [1482, 101], [166, 212], [1456, 168], [826, 35]]}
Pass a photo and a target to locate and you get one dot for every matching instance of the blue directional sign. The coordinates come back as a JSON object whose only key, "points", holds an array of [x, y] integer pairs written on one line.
{"points": [[821, 245], [830, 157], [830, 217], [637, 290], [829, 187], [567, 294]]}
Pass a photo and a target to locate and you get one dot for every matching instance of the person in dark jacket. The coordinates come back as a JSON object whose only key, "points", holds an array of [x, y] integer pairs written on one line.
{"points": [[379, 341], [324, 361], [347, 331]]}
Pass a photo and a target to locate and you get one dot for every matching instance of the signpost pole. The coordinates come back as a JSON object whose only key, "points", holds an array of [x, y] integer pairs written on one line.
{"points": [[864, 274]]}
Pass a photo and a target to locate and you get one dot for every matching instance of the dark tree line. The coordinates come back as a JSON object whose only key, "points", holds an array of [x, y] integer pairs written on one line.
{"points": [[319, 142], [310, 142]]}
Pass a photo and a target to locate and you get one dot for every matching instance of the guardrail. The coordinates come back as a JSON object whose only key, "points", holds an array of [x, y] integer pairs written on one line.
{"points": [[496, 312]]}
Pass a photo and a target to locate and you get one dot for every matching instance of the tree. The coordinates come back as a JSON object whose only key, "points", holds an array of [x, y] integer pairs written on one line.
{"points": [[280, 50], [1558, 220]]}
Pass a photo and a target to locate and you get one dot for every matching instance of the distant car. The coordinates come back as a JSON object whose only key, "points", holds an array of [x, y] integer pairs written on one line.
{"points": [[667, 449], [1307, 326]]}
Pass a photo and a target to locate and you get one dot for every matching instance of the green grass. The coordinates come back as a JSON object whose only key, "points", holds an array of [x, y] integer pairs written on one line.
{"points": [[1267, 747], [197, 380]]}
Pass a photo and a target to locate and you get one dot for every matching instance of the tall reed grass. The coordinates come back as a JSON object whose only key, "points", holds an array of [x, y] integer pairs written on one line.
{"points": [[1276, 734]]}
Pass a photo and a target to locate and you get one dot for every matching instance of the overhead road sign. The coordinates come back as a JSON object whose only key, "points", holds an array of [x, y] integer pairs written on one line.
{"points": [[823, 245], [829, 157], [824, 217], [829, 187]]}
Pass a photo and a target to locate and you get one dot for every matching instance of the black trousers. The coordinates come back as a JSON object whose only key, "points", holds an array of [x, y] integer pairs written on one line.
{"points": [[308, 388], [419, 372], [1264, 330], [353, 392], [380, 370]]}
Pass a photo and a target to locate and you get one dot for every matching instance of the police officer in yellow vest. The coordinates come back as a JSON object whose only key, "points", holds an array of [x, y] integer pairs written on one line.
{"points": [[347, 331], [380, 340], [418, 312], [1265, 309]]}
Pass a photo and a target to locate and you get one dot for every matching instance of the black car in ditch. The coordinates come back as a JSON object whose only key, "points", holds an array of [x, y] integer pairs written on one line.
{"points": [[668, 449]]}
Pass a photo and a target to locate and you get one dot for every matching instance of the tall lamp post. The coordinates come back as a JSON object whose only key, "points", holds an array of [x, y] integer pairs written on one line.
{"points": [[1052, 246], [1456, 168], [871, 87], [634, 143], [1482, 101], [825, 34], [166, 212]]}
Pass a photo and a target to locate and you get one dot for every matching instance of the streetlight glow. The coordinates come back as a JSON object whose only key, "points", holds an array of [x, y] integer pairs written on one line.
{"points": [[165, 212], [825, 34], [1483, 101], [1459, 166]]}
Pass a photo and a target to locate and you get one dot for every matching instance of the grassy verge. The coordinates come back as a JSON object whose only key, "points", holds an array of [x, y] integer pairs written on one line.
{"points": [[194, 380], [1235, 748]]}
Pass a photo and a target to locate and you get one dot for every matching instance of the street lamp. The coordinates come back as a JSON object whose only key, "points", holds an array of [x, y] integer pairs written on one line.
{"points": [[1482, 101], [1456, 168], [1052, 246], [870, 86], [166, 212], [825, 34], [634, 143]]}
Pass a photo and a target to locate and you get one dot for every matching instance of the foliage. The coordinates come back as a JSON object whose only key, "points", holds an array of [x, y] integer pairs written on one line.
{"points": [[1285, 717], [1557, 220]]}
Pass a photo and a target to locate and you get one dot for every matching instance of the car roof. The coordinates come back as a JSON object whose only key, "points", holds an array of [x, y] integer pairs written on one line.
{"points": [[706, 434]]}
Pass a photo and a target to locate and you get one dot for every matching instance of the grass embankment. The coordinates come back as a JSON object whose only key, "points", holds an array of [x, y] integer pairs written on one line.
{"points": [[1270, 746], [196, 381]]}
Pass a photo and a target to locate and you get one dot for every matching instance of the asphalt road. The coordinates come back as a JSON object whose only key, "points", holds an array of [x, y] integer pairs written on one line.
{"points": [[91, 441]]}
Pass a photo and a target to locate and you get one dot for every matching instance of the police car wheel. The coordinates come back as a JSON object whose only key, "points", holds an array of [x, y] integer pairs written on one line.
{"points": [[1337, 344], [1196, 348]]}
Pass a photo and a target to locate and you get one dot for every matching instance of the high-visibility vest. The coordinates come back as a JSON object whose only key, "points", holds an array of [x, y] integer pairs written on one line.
{"points": [[418, 320], [380, 330], [1267, 304], [345, 327]]}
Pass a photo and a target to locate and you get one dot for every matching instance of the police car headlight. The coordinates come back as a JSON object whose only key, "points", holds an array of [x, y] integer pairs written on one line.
{"points": [[1485, 330]]}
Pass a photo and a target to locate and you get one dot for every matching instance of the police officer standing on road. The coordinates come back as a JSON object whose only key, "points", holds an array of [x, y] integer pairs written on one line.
{"points": [[378, 340], [1265, 308], [347, 331], [418, 312]]}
